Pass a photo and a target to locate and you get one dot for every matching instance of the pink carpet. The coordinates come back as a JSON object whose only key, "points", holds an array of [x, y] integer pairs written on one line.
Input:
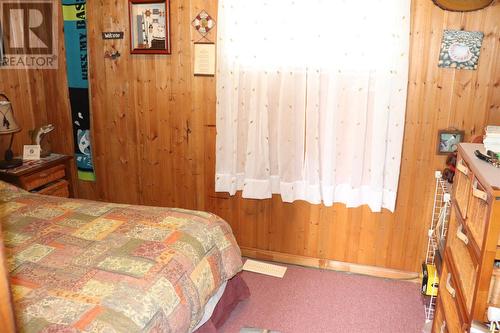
{"points": [[316, 301]]}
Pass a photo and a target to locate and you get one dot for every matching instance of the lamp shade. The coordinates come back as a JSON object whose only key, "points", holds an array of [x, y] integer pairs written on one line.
{"points": [[462, 5], [8, 123]]}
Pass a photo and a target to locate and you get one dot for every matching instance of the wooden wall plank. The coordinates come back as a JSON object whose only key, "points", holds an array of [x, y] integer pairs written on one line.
{"points": [[154, 135], [40, 97]]}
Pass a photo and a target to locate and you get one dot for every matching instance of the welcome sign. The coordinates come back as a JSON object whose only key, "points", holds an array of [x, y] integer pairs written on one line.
{"points": [[112, 35], [75, 37]]}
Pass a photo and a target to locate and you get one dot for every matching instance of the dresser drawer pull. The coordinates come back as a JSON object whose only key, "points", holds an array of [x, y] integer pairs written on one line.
{"points": [[443, 327], [462, 168], [460, 235], [479, 194], [449, 288]]}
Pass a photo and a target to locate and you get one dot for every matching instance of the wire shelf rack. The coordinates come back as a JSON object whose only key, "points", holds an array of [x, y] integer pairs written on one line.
{"points": [[437, 233]]}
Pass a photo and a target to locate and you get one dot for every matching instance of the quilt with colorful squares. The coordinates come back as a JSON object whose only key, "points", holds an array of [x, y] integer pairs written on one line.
{"points": [[84, 266]]}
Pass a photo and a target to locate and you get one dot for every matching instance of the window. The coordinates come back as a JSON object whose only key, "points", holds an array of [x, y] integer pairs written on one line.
{"points": [[311, 99]]}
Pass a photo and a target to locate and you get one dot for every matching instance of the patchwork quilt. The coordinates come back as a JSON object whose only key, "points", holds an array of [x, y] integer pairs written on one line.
{"points": [[83, 266]]}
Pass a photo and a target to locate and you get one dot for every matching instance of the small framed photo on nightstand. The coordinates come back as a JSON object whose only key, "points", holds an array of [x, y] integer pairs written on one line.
{"points": [[31, 152], [448, 141]]}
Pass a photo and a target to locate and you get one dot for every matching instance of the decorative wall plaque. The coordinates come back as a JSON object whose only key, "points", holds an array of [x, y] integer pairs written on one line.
{"points": [[460, 49], [203, 23], [204, 59]]}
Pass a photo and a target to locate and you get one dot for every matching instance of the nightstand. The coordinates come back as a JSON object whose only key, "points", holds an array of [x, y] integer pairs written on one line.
{"points": [[50, 175]]}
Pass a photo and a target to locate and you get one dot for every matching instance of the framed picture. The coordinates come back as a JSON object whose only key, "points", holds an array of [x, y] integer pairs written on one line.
{"points": [[204, 59], [448, 141], [460, 49], [149, 26]]}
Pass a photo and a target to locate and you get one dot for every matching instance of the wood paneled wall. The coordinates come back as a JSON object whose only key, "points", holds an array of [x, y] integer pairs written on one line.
{"points": [[39, 97], [154, 135]]}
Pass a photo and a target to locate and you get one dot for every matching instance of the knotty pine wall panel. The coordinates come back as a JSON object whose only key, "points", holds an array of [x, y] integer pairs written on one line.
{"points": [[40, 97], [154, 135]]}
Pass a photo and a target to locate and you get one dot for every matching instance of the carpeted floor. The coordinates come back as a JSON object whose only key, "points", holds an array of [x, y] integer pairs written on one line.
{"points": [[316, 301]]}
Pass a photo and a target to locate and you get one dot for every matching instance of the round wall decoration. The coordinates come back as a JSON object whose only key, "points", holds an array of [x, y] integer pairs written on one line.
{"points": [[462, 5], [459, 52]]}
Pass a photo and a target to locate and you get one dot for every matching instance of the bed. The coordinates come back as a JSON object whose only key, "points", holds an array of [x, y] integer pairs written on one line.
{"points": [[85, 266]]}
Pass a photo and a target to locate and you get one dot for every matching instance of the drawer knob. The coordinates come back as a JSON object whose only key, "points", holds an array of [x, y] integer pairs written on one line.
{"points": [[462, 168], [460, 235], [449, 288]]}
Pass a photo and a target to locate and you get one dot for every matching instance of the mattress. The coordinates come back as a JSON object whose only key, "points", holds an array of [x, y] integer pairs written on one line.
{"points": [[85, 266]]}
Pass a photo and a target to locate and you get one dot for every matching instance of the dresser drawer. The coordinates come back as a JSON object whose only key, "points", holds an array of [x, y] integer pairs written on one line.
{"points": [[462, 186], [477, 213], [38, 179], [465, 263], [494, 291], [439, 324], [452, 318]]}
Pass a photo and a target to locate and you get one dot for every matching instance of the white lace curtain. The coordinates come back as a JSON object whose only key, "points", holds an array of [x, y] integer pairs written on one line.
{"points": [[311, 98]]}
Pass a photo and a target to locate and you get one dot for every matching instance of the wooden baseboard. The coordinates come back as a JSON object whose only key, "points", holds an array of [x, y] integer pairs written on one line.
{"points": [[333, 265]]}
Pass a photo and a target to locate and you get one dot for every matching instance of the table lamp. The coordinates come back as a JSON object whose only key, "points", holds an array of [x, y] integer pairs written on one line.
{"points": [[8, 125]]}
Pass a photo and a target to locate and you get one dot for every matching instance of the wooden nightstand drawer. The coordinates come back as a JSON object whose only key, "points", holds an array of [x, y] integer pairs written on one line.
{"points": [[35, 180], [58, 188], [462, 257]]}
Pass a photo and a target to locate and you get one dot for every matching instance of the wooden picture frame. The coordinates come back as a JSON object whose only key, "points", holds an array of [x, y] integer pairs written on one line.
{"points": [[149, 26], [204, 59], [448, 140]]}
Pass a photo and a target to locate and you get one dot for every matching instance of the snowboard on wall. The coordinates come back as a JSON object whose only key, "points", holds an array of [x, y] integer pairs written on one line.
{"points": [[75, 38]]}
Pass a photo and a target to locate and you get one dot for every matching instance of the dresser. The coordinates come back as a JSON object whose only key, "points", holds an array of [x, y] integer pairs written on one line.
{"points": [[467, 282], [50, 175]]}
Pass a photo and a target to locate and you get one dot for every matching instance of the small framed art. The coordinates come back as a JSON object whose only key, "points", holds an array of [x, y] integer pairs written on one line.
{"points": [[149, 26], [460, 49], [448, 141], [204, 59]]}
